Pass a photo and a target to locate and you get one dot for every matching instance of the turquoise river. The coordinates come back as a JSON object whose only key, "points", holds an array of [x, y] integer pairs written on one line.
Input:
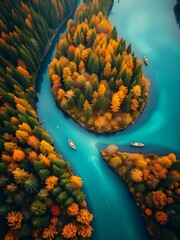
{"points": [[152, 29]]}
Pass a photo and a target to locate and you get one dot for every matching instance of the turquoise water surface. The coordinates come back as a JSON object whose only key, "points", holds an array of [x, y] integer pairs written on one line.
{"points": [[151, 28]]}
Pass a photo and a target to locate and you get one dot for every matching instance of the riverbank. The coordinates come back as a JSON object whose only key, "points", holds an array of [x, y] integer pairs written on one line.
{"points": [[154, 184]]}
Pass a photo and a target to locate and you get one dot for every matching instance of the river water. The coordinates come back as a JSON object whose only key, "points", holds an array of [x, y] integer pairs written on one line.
{"points": [[152, 29]]}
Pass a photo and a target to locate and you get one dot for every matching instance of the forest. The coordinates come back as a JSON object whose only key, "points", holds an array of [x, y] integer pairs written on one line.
{"points": [[40, 196], [95, 77], [154, 182]]}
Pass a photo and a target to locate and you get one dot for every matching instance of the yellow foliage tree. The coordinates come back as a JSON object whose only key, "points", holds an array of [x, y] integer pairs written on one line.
{"points": [[164, 161], [28, 24], [25, 127], [107, 70], [20, 175], [137, 90], [101, 89], [66, 72], [61, 93], [76, 181], [51, 182], [115, 103], [72, 66], [115, 162], [10, 146], [111, 148], [24, 72], [22, 136], [46, 148], [136, 175], [44, 160], [134, 104], [87, 106], [81, 66], [84, 54], [81, 80]]}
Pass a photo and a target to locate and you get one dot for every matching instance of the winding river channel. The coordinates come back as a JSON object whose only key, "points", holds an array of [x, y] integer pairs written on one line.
{"points": [[152, 29]]}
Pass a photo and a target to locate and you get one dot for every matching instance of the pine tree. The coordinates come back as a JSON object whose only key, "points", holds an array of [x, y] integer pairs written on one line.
{"points": [[77, 95], [88, 93], [100, 104], [81, 101], [95, 66], [126, 104], [114, 34]]}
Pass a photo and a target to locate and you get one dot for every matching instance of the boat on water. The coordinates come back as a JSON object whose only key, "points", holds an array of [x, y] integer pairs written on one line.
{"points": [[71, 144], [146, 61], [137, 144]]}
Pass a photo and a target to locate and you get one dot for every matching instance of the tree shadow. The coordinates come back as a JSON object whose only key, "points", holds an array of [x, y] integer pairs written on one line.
{"points": [[177, 13]]}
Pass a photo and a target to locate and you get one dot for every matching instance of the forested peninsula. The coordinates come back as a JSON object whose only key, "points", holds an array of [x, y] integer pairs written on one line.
{"points": [[40, 197], [96, 78], [154, 182]]}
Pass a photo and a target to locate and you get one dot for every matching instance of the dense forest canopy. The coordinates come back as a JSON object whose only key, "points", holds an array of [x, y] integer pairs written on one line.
{"points": [[40, 197], [154, 182], [95, 77]]}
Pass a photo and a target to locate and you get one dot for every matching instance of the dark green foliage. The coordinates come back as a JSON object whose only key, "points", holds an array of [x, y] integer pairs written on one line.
{"points": [[4, 209], [57, 171], [126, 104], [95, 66], [128, 49], [25, 164], [43, 174], [10, 128], [167, 181], [166, 234], [77, 95], [88, 93], [56, 191], [59, 163], [68, 202], [45, 136], [61, 197], [139, 187], [176, 208], [63, 182], [176, 165], [40, 222], [80, 197], [177, 199], [100, 104], [87, 114], [24, 231], [69, 187], [38, 208], [37, 132], [81, 102], [32, 185], [3, 166], [114, 34], [39, 166], [65, 175]]}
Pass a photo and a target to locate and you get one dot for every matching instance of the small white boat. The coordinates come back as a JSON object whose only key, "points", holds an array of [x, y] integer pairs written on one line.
{"points": [[71, 144], [137, 144], [146, 61]]}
